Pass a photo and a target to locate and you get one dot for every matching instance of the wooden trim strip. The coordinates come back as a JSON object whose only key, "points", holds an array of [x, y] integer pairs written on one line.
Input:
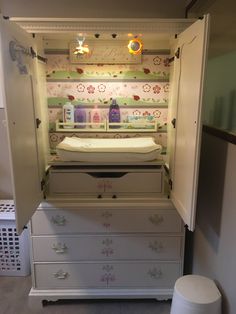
{"points": [[223, 134]]}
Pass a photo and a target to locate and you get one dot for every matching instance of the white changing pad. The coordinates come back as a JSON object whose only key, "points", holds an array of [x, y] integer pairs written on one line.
{"points": [[108, 150]]}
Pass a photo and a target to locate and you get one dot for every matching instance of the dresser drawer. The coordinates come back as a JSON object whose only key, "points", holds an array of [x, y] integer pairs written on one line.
{"points": [[94, 183], [69, 221], [78, 248], [104, 275]]}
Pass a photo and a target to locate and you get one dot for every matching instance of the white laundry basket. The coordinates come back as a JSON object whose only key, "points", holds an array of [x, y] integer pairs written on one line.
{"points": [[14, 249], [195, 294]]}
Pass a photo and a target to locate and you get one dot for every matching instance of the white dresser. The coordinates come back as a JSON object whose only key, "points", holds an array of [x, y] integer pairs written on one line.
{"points": [[106, 246]]}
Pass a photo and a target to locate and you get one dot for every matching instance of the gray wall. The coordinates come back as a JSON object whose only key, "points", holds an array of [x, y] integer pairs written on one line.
{"points": [[220, 92], [214, 253], [93, 8]]}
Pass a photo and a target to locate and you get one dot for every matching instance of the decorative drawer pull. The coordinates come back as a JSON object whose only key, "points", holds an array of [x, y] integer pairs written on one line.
{"points": [[107, 268], [106, 214], [107, 251], [156, 246], [59, 248], [107, 241], [108, 278], [100, 186], [108, 185], [156, 219], [155, 274], [59, 220], [60, 274]]}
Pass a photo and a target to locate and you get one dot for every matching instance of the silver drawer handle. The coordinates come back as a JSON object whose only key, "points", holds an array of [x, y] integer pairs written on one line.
{"points": [[60, 274], [156, 219], [59, 220], [156, 246], [59, 248], [155, 274]]}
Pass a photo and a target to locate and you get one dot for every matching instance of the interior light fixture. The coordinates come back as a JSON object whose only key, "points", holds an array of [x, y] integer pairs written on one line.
{"points": [[135, 46], [81, 48]]}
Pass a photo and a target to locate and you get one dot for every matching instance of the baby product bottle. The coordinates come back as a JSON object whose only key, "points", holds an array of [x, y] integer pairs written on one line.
{"points": [[68, 115], [95, 116], [80, 116], [114, 113]]}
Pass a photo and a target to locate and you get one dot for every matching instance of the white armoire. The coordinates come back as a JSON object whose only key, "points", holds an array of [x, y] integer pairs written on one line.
{"points": [[103, 230]]}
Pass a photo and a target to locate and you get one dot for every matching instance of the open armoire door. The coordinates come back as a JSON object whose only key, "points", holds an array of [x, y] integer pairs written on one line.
{"points": [[189, 65], [16, 65]]}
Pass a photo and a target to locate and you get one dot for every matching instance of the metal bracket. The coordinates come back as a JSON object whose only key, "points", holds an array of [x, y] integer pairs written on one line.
{"points": [[177, 55]]}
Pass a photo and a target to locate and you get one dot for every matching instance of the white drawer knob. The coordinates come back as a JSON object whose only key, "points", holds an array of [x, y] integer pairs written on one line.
{"points": [[60, 274], [59, 220], [59, 248], [156, 219], [155, 274]]}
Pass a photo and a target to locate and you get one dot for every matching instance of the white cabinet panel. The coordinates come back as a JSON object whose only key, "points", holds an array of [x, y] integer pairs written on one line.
{"points": [[19, 104], [189, 71]]}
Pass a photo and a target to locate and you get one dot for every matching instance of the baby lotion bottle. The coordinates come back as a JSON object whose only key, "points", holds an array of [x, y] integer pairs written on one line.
{"points": [[114, 113], [80, 116], [95, 116], [68, 115]]}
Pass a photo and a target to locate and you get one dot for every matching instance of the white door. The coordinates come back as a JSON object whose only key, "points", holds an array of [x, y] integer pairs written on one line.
{"points": [[184, 159], [16, 70]]}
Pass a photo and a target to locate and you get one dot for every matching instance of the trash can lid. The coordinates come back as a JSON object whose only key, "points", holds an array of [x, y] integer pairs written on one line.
{"points": [[197, 289]]}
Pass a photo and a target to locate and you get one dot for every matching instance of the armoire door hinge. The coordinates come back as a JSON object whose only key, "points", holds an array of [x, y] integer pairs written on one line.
{"points": [[170, 184], [177, 53], [38, 122], [42, 183], [173, 122]]}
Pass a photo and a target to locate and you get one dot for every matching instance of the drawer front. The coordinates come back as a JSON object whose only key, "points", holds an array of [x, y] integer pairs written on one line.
{"points": [[105, 221], [135, 183], [78, 248], [94, 183], [75, 183], [104, 275]]}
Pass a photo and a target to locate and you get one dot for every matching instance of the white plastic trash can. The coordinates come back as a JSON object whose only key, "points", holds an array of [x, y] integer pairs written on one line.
{"points": [[195, 294]]}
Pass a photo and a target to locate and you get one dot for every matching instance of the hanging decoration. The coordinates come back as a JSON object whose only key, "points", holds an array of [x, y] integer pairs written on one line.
{"points": [[135, 46], [81, 48]]}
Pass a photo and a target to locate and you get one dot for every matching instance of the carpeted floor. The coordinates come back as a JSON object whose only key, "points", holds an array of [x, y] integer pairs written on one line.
{"points": [[14, 300]]}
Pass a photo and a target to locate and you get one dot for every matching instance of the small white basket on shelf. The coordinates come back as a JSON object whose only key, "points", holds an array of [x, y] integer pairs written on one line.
{"points": [[14, 249]]}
